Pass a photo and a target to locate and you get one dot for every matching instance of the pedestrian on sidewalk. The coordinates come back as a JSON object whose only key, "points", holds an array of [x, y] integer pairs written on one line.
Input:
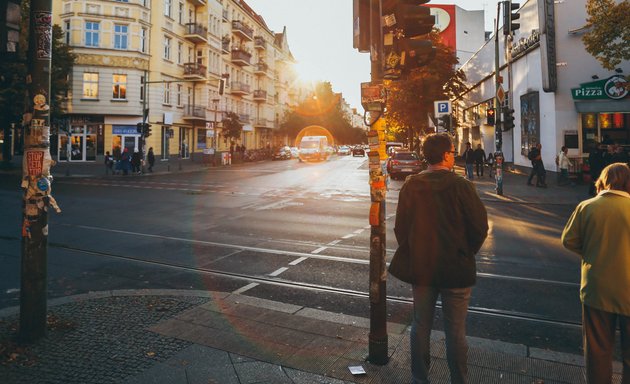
{"points": [[109, 164], [480, 160], [469, 160], [151, 159], [598, 231], [538, 167], [136, 161], [596, 164], [125, 161], [441, 223], [490, 162], [564, 163]]}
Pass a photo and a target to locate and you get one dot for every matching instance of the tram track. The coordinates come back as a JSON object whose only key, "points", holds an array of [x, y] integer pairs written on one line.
{"points": [[275, 281]]}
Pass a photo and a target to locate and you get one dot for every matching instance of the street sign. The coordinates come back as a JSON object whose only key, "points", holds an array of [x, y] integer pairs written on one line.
{"points": [[442, 108], [500, 94]]}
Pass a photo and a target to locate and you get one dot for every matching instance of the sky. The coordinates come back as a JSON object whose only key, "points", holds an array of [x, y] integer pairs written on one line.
{"points": [[320, 38]]}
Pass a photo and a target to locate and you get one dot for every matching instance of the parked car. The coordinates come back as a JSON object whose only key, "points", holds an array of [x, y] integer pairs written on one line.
{"points": [[403, 163], [358, 151], [295, 152], [343, 150], [282, 153]]}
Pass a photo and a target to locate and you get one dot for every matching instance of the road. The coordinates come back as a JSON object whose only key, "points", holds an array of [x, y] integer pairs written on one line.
{"points": [[290, 232]]}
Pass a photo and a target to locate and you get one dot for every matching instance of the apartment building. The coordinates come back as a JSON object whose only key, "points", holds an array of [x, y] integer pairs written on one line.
{"points": [[181, 66]]}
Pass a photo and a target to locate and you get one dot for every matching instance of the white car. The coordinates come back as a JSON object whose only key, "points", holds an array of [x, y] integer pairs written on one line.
{"points": [[343, 150]]}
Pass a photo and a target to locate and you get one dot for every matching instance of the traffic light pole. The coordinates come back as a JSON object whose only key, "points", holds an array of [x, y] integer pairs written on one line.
{"points": [[498, 155], [36, 179], [378, 274]]}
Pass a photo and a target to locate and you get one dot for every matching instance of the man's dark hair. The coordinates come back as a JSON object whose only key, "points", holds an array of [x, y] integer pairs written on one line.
{"points": [[434, 146]]}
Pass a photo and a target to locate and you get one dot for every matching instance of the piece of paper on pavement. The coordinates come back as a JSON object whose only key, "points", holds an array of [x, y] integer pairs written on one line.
{"points": [[356, 369]]}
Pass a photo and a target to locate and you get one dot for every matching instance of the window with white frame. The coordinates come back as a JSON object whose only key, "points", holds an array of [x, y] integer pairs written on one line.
{"points": [[90, 85], [167, 48], [180, 48], [120, 36], [179, 95], [92, 29], [143, 40], [119, 87], [167, 94], [180, 12], [168, 4]]}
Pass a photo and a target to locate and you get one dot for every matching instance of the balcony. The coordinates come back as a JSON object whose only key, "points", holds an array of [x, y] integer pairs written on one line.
{"points": [[260, 43], [197, 3], [242, 30], [194, 112], [260, 68], [195, 71], [196, 33], [238, 88], [262, 122], [243, 118], [241, 57], [260, 95]]}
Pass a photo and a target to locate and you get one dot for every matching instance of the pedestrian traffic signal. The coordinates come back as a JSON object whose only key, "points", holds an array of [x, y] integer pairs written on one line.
{"points": [[490, 116], [444, 122], [508, 118], [404, 22], [509, 25]]}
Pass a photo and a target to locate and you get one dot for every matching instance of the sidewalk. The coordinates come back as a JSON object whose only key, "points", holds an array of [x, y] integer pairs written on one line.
{"points": [[170, 336]]}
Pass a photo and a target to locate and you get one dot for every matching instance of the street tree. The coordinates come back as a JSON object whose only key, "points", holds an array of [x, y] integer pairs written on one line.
{"points": [[410, 100], [61, 68], [324, 108], [232, 127], [609, 31]]}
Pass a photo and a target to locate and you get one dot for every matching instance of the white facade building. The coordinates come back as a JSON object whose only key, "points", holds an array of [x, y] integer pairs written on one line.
{"points": [[547, 85]]}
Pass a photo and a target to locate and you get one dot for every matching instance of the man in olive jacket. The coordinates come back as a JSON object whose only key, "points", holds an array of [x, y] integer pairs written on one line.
{"points": [[442, 221]]}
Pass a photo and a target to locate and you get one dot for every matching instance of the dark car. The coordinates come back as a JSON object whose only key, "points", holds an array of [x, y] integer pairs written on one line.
{"points": [[403, 163], [358, 151], [282, 153]]}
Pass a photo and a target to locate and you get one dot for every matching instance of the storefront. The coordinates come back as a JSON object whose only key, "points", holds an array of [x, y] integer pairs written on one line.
{"points": [[83, 140], [604, 113], [124, 136]]}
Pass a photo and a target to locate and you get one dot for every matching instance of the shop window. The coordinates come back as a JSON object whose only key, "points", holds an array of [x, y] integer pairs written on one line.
{"points": [[605, 121], [589, 121], [618, 121]]}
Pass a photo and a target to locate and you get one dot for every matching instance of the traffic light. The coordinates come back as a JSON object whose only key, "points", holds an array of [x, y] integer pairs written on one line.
{"points": [[508, 118], [404, 22], [361, 25], [490, 116], [139, 128], [444, 122], [509, 25], [147, 130]]}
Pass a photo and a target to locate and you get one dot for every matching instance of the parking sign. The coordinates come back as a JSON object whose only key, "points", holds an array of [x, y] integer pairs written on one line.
{"points": [[442, 107]]}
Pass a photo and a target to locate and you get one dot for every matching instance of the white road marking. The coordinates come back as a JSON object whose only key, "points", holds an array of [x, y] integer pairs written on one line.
{"points": [[359, 231], [298, 261], [318, 250], [246, 288], [348, 236], [278, 271], [334, 242]]}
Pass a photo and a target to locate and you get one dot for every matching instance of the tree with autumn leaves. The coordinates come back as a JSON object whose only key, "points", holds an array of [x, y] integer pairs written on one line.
{"points": [[609, 31], [410, 100]]}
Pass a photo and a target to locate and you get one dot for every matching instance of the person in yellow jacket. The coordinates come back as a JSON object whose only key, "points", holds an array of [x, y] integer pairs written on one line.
{"points": [[599, 231]]}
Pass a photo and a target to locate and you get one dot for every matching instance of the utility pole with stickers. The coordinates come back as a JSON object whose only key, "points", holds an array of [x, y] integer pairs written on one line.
{"points": [[36, 177]]}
